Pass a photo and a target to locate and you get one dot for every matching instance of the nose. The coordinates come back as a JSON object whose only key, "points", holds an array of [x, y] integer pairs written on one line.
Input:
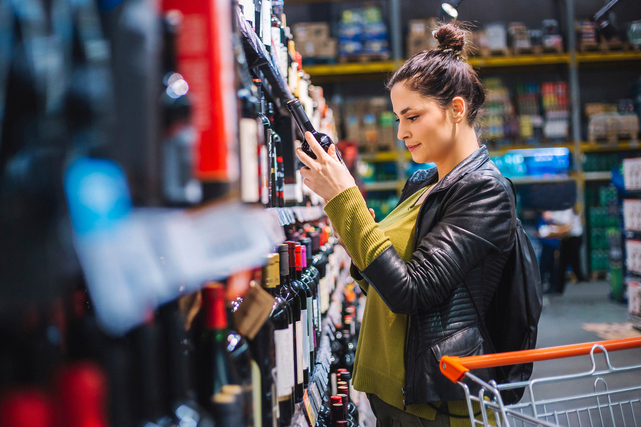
{"points": [[403, 133]]}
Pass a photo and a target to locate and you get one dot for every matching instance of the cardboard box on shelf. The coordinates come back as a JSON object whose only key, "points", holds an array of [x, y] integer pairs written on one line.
{"points": [[419, 37], [311, 31], [421, 27], [318, 48], [496, 36]]}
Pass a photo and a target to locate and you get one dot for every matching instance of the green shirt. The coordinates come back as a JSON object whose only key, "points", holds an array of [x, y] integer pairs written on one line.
{"points": [[379, 367]]}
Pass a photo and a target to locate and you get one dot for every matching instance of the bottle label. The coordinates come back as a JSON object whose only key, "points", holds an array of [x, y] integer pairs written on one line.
{"points": [[256, 394], [249, 179], [324, 293], [291, 345], [266, 15], [310, 325], [305, 327], [275, 405], [284, 361], [299, 352], [316, 312]]}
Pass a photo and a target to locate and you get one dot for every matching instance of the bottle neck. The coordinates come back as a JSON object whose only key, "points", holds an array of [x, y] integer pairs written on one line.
{"points": [[297, 110], [179, 354]]}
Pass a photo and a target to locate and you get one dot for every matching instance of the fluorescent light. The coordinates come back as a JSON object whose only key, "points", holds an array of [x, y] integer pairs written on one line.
{"points": [[450, 10]]}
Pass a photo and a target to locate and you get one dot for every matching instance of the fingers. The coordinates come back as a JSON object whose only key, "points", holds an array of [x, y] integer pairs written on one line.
{"points": [[314, 145], [332, 153], [304, 158], [371, 212]]}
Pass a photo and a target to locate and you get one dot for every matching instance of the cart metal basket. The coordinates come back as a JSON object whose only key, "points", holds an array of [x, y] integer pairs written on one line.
{"points": [[602, 396]]}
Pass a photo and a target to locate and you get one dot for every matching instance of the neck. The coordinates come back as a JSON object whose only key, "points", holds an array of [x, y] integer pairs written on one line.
{"points": [[464, 144]]}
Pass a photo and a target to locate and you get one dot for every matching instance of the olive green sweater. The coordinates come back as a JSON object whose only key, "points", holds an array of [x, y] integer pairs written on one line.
{"points": [[379, 367]]}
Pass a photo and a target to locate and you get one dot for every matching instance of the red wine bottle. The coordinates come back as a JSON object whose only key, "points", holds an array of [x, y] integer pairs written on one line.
{"points": [[26, 408], [305, 125], [291, 296], [302, 291], [283, 337], [81, 391], [215, 368], [179, 396]]}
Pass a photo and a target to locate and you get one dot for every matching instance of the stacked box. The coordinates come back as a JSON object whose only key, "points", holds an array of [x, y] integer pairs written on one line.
{"points": [[498, 110], [419, 37], [632, 174], [519, 36], [363, 31], [496, 34], [370, 124], [551, 38], [313, 41], [556, 104], [528, 108]]}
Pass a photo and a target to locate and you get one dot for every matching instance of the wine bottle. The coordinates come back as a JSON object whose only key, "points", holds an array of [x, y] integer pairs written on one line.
{"points": [[308, 283], [83, 335], [352, 409], [145, 381], [242, 365], [227, 410], [305, 125], [312, 272], [292, 298], [179, 397], [81, 391], [285, 377], [298, 287], [179, 137], [338, 413], [26, 408], [215, 368], [267, 162]]}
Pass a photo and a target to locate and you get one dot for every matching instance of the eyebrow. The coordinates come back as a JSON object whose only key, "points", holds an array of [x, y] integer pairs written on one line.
{"points": [[405, 110]]}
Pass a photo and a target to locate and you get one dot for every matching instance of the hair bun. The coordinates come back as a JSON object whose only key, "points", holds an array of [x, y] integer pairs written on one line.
{"points": [[450, 36]]}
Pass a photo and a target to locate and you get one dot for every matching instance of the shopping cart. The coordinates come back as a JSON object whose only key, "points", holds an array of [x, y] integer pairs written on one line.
{"points": [[577, 399]]}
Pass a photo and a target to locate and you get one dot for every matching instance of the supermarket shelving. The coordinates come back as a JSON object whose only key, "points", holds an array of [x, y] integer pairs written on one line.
{"points": [[327, 71]]}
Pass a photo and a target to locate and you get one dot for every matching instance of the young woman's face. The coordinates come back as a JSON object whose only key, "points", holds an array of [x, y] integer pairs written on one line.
{"points": [[424, 126]]}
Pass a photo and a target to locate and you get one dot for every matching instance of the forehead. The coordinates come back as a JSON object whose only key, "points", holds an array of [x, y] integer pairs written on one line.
{"points": [[403, 97]]}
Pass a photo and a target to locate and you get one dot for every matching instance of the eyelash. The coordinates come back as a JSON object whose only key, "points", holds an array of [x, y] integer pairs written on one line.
{"points": [[411, 119]]}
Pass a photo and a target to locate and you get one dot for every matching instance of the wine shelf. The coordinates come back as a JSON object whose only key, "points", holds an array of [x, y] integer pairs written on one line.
{"points": [[291, 215], [257, 57]]}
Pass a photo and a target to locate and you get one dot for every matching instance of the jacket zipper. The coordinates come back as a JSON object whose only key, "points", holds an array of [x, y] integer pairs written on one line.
{"points": [[405, 353]]}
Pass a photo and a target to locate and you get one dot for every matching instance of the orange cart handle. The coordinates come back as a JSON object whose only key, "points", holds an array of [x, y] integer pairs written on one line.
{"points": [[455, 368]]}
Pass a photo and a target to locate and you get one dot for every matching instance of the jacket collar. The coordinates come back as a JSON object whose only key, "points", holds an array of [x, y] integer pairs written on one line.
{"points": [[470, 164]]}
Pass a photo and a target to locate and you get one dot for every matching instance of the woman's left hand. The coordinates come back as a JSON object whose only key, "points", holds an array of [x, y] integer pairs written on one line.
{"points": [[325, 176]]}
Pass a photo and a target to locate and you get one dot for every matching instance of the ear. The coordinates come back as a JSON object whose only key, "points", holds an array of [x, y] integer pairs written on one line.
{"points": [[459, 109]]}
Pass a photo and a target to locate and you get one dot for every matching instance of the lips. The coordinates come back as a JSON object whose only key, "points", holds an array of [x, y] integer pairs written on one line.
{"points": [[412, 147]]}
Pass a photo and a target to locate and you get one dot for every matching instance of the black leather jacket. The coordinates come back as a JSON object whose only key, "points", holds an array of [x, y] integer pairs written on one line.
{"points": [[464, 231]]}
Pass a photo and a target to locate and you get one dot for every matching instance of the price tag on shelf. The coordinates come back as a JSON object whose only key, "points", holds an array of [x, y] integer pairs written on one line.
{"points": [[311, 416]]}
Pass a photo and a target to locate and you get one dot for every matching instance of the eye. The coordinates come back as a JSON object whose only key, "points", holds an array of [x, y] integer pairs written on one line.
{"points": [[397, 120], [411, 119]]}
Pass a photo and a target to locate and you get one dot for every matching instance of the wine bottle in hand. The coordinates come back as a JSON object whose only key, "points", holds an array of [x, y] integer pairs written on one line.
{"points": [[305, 125]]}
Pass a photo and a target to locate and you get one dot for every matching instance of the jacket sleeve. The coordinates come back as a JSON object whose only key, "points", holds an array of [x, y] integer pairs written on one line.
{"points": [[358, 278], [477, 220]]}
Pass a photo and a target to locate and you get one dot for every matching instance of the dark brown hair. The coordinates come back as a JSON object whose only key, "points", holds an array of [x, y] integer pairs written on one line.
{"points": [[443, 73]]}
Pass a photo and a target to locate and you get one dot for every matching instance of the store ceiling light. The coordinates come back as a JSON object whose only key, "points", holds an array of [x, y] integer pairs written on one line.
{"points": [[451, 7]]}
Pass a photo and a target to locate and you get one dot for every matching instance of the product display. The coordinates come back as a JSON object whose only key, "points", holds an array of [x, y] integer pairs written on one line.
{"points": [[164, 263]]}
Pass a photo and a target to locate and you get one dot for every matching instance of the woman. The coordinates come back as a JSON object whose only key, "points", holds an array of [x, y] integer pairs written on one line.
{"points": [[434, 262]]}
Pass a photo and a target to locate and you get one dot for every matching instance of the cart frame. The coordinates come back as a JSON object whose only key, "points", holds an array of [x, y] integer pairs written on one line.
{"points": [[606, 407]]}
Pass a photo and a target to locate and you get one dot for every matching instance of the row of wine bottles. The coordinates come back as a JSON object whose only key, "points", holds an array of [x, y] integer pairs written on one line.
{"points": [[190, 364]]}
